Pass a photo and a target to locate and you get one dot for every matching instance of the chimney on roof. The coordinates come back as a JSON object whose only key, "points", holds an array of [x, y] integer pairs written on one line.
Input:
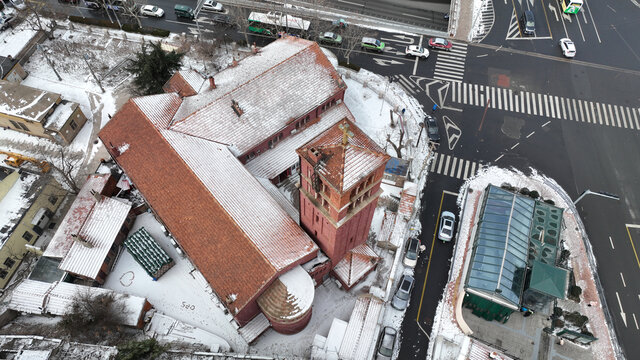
{"points": [[236, 107], [212, 83], [79, 239], [96, 195]]}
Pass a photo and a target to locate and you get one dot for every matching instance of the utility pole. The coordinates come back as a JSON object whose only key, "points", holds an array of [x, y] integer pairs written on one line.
{"points": [[86, 60], [49, 61]]}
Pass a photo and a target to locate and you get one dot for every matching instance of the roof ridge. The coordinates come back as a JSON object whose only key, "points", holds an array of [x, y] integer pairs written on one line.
{"points": [[243, 84]]}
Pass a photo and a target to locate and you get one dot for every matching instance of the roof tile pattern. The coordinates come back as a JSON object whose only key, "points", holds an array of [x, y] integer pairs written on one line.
{"points": [[178, 84], [159, 108], [76, 216], [100, 230], [361, 330], [280, 240], [213, 241], [357, 263], [268, 101], [341, 165], [273, 162]]}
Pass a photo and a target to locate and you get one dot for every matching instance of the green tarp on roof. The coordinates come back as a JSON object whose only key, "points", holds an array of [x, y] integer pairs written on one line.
{"points": [[148, 253], [549, 279], [500, 250]]}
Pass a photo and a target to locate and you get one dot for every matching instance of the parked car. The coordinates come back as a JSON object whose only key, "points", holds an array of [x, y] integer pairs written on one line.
{"points": [[386, 343], [183, 11], [18, 4], [93, 5], [432, 128], [447, 222], [372, 44], [222, 19], [412, 252], [401, 298], [417, 51], [330, 38], [528, 23], [440, 43], [211, 5], [151, 10], [568, 47], [6, 21]]}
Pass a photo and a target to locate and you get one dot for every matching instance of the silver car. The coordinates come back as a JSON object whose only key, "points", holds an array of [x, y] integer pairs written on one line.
{"points": [[386, 343], [447, 222], [401, 298]]}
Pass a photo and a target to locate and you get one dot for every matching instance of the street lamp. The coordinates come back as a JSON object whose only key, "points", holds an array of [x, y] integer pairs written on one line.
{"points": [[599, 193]]}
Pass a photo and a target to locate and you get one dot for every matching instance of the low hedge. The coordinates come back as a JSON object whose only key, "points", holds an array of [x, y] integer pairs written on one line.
{"points": [[350, 66], [126, 27]]}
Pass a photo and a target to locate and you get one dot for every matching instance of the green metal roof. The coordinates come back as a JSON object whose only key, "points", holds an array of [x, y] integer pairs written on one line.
{"points": [[500, 250], [545, 233], [148, 253], [549, 279]]}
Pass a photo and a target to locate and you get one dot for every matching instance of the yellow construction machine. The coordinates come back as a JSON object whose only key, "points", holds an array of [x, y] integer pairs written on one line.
{"points": [[16, 160]]}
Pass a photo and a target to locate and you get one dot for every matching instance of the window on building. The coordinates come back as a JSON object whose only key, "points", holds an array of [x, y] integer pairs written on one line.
{"points": [[3, 273], [27, 236], [9, 262], [53, 199], [52, 225], [15, 124], [23, 126], [73, 124]]}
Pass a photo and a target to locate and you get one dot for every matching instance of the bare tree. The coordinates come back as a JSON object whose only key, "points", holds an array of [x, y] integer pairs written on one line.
{"points": [[44, 17], [351, 39], [132, 9], [240, 17], [66, 164], [92, 316], [397, 147]]}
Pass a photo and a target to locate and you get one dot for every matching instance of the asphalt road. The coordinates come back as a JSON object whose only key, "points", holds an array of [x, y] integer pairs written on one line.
{"points": [[580, 150]]}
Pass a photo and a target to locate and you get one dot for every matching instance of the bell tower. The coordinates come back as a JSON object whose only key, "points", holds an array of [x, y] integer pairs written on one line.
{"points": [[340, 175]]}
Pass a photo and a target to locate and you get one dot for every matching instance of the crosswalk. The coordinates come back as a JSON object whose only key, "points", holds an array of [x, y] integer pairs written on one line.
{"points": [[550, 106], [450, 64], [485, 22], [513, 32], [449, 165], [406, 84]]}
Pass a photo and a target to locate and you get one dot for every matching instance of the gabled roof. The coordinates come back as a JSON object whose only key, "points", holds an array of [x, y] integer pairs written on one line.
{"points": [[76, 216], [273, 162], [361, 330], [184, 82], [271, 89], [238, 240], [100, 230], [37, 297], [342, 164], [356, 264], [25, 102]]}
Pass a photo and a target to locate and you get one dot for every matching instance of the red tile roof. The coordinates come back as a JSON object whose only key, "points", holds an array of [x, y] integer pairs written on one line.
{"points": [[178, 84], [342, 164], [220, 250]]}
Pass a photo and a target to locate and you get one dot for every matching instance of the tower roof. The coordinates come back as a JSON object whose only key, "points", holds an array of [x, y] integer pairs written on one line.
{"points": [[343, 155]]}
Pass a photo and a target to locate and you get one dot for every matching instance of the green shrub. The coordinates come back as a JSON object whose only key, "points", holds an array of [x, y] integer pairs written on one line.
{"points": [[574, 292], [534, 194], [576, 319], [550, 202], [350, 66], [557, 312], [134, 28], [145, 349], [524, 191], [558, 323]]}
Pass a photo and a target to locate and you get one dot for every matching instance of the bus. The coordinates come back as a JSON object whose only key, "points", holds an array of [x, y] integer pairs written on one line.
{"points": [[275, 21], [571, 6]]}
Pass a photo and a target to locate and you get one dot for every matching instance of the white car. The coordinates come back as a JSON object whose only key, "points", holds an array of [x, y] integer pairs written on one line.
{"points": [[151, 10], [212, 6], [568, 47], [18, 4], [447, 221], [417, 51]]}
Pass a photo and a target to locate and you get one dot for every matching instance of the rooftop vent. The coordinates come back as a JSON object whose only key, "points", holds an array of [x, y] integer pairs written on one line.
{"points": [[236, 107]]}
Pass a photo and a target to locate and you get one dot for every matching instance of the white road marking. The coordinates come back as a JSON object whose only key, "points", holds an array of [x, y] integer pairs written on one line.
{"points": [[453, 166], [528, 136], [350, 3], [622, 314], [498, 158], [592, 21], [635, 321], [514, 146], [547, 123], [611, 242], [623, 283]]}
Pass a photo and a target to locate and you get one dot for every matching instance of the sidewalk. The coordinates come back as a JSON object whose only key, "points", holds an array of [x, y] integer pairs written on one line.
{"points": [[522, 337]]}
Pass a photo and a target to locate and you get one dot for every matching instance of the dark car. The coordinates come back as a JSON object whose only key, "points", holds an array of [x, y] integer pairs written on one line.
{"points": [[222, 19], [401, 298], [528, 23], [432, 128], [93, 5], [386, 343], [6, 21]]}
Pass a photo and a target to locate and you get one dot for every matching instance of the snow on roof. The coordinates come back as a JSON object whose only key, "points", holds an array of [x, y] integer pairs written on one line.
{"points": [[267, 225], [290, 297], [280, 199], [14, 40], [254, 328], [273, 162], [480, 351], [100, 230], [169, 330], [37, 297], [356, 264], [193, 78], [361, 330], [269, 100], [33, 355], [15, 202], [76, 216], [342, 165], [159, 109], [60, 115], [25, 102]]}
